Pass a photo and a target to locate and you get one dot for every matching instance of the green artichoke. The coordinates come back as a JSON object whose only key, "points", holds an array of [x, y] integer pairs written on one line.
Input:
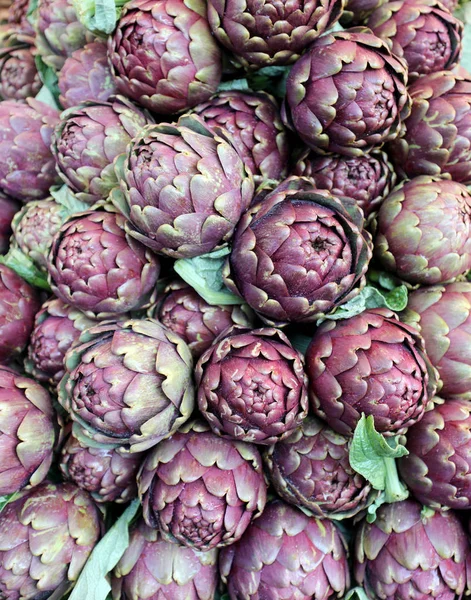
{"points": [[128, 384], [423, 232], [183, 188], [19, 78], [202, 490], [347, 94]]}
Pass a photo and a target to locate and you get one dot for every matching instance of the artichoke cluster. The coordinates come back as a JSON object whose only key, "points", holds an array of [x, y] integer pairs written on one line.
{"points": [[235, 300]]}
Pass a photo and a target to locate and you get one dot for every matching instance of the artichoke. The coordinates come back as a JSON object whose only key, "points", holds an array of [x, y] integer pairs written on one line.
{"points": [[96, 267], [356, 12], [86, 75], [26, 432], [263, 33], [286, 555], [311, 469], [19, 78], [58, 32], [163, 56], [109, 475], [438, 130], [347, 94], [202, 490], [19, 304], [88, 139], [129, 383], [183, 188], [46, 536], [251, 385], [153, 569], [254, 123], [298, 253], [8, 208], [422, 32], [411, 552], [17, 16], [27, 167], [367, 179], [185, 313], [370, 364], [423, 232], [437, 469]]}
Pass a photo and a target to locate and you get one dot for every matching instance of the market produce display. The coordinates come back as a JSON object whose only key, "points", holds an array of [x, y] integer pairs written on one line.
{"points": [[235, 300]]}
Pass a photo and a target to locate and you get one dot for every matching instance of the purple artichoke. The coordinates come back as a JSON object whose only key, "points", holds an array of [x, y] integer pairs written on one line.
{"points": [[298, 254], [109, 475], [46, 537], [252, 386], [17, 16], [422, 32], [163, 55], [27, 167], [263, 33], [86, 75], [183, 188], [347, 94], [311, 469], [423, 232], [367, 179], [286, 555], [356, 12], [26, 432], [88, 139], [96, 267], [19, 304], [154, 569], [438, 130], [370, 364], [19, 78], [254, 124], [411, 552], [129, 383], [202, 490], [185, 313], [56, 328], [8, 208], [437, 469]]}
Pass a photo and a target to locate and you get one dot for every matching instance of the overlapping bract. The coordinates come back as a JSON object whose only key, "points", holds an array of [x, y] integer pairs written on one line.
{"points": [[202, 490], [129, 383], [8, 208], [19, 78]]}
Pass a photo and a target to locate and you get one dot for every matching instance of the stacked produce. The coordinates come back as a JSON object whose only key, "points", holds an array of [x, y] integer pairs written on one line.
{"points": [[235, 300]]}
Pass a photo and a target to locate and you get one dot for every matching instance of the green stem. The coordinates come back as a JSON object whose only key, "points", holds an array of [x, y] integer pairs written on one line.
{"points": [[395, 490]]}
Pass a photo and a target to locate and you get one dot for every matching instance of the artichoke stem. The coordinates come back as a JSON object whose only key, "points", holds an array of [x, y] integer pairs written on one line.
{"points": [[395, 490]]}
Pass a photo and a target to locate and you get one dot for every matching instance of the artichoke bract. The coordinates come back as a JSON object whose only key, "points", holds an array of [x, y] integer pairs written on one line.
{"points": [[53, 528], [437, 138], [423, 232], [311, 469], [409, 552], [27, 167], [356, 12], [347, 94], [367, 179], [254, 123], [128, 384], [107, 474], [184, 312], [88, 139], [251, 385], [86, 75], [183, 188], [286, 554], [153, 568], [26, 432], [437, 469], [422, 32], [17, 16], [371, 364], [19, 78], [96, 267], [262, 33], [8, 208], [442, 314], [298, 254], [163, 55], [19, 304], [202, 490]]}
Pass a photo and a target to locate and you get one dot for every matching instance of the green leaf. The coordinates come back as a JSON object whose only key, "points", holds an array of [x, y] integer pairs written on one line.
{"points": [[204, 274], [4, 500], [234, 84], [25, 268], [357, 593], [92, 583], [464, 14], [300, 342], [269, 79], [49, 93], [66, 198], [373, 456], [99, 16]]}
